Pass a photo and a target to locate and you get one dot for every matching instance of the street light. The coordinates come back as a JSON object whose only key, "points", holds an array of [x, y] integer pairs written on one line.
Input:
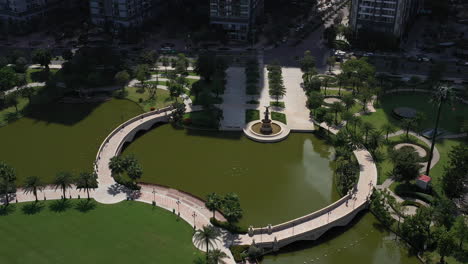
{"points": [[194, 216], [178, 206], [154, 196]]}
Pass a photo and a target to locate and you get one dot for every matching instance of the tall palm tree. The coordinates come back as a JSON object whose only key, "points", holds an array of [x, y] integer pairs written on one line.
{"points": [[32, 185], [442, 95], [341, 81], [7, 179], [208, 235], [408, 124], [86, 180], [213, 202], [336, 107], [347, 117], [388, 129], [367, 127], [63, 180], [216, 256]]}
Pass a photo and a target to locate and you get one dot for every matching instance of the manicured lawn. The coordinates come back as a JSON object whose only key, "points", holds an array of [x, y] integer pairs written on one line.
{"points": [[128, 232], [251, 115], [60, 137], [141, 97], [449, 120], [279, 117], [277, 104]]}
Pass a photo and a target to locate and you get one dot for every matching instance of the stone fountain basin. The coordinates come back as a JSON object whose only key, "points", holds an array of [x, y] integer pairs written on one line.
{"points": [[280, 132]]}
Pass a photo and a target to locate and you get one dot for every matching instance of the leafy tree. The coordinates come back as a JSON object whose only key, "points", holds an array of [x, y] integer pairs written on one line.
{"points": [[413, 230], [445, 245], [63, 180], [28, 92], [307, 62], [165, 63], [13, 99], [67, 55], [205, 66], [207, 235], [175, 89], [455, 178], [379, 206], [8, 78], [122, 78], [7, 180], [460, 230], [21, 64], [231, 208], [328, 119], [406, 164], [86, 181], [152, 89], [216, 256], [178, 114], [32, 185], [213, 202], [3, 62], [42, 57], [149, 57], [444, 212], [142, 73], [314, 100], [182, 63]]}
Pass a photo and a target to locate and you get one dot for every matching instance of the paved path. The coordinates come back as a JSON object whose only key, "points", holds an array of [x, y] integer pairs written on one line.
{"points": [[234, 100]]}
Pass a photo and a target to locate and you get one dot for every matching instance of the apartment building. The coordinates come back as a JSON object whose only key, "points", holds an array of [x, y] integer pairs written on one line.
{"points": [[121, 13], [387, 16], [236, 17], [26, 10]]}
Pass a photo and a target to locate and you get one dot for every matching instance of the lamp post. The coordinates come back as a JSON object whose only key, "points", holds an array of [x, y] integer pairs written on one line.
{"points": [[194, 216], [154, 196], [178, 206]]}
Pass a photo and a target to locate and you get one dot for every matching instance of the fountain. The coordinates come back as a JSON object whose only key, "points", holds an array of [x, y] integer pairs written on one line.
{"points": [[266, 130]]}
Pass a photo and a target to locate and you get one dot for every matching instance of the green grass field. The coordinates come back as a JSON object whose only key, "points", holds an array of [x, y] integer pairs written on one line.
{"points": [[141, 97], [450, 118], [54, 137], [128, 232]]}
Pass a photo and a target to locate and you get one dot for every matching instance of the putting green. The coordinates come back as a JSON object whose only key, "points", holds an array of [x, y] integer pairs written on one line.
{"points": [[60, 137], [128, 232]]}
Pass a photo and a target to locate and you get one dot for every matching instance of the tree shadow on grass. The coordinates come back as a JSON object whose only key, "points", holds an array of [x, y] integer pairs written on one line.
{"points": [[6, 209], [60, 205], [85, 205], [32, 208]]}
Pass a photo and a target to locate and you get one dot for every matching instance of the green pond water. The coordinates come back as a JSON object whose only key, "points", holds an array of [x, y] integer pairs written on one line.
{"points": [[60, 137], [364, 241], [275, 182]]}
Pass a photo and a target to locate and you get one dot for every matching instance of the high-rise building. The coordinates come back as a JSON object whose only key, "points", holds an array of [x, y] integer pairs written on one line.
{"points": [[25, 10], [236, 17], [386, 16], [121, 13]]}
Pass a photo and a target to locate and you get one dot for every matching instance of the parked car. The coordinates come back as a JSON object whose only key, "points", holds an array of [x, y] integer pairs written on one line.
{"points": [[462, 63]]}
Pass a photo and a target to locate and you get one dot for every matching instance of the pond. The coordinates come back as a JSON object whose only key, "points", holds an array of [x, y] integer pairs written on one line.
{"points": [[363, 241], [275, 182], [60, 137]]}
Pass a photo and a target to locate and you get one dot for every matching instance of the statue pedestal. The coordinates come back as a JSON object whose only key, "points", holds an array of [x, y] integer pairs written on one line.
{"points": [[266, 128]]}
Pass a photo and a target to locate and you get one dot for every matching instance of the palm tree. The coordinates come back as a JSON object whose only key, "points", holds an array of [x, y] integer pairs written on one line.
{"points": [[63, 180], [213, 202], [357, 121], [116, 165], [216, 256], [328, 119], [7, 179], [336, 107], [32, 185], [408, 123], [367, 127], [86, 180], [341, 81], [208, 235], [442, 95], [347, 117], [388, 129], [348, 101]]}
